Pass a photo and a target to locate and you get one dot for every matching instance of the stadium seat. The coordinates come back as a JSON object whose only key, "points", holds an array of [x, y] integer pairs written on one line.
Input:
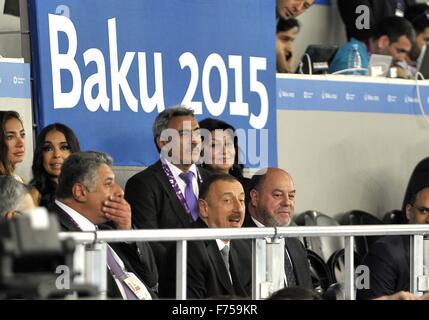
{"points": [[336, 265], [320, 273], [323, 246], [394, 217], [358, 217]]}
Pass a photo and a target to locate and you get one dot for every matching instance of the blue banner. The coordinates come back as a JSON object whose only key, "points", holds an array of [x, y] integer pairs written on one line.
{"points": [[106, 68], [349, 96], [15, 80]]}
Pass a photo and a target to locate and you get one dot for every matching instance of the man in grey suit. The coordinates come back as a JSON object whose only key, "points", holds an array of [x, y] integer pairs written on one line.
{"points": [[272, 204]]}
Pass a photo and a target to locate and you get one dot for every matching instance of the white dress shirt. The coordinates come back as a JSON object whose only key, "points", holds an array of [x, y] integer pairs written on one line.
{"points": [[279, 280], [85, 225], [182, 184]]}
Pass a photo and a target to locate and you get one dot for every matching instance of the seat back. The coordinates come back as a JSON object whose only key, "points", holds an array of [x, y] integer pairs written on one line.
{"points": [[320, 273], [394, 217], [358, 217], [323, 246], [336, 265]]}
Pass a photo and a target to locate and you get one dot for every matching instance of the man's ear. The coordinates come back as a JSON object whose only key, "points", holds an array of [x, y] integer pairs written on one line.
{"points": [[383, 42], [80, 192], [203, 208], [10, 214], [253, 197], [409, 212], [160, 143]]}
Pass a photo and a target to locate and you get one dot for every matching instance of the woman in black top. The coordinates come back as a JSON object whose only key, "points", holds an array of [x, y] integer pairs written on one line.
{"points": [[54, 144]]}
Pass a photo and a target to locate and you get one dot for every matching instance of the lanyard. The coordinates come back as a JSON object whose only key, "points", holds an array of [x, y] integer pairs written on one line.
{"points": [[176, 188]]}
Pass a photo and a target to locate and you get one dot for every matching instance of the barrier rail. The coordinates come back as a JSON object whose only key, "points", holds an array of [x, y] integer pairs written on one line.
{"points": [[418, 282]]}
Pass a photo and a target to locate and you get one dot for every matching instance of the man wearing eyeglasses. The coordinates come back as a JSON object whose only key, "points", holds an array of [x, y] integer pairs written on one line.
{"points": [[14, 198], [388, 259]]}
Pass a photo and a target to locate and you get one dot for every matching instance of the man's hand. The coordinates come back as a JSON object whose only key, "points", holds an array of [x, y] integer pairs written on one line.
{"points": [[118, 210]]}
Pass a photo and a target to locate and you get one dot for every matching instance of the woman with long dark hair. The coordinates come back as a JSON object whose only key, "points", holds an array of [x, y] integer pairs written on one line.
{"points": [[54, 144], [12, 142], [221, 151]]}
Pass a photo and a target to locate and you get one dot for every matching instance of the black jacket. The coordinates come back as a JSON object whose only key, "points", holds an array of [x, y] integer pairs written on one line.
{"points": [[155, 205], [298, 256], [388, 260], [207, 275], [137, 258]]}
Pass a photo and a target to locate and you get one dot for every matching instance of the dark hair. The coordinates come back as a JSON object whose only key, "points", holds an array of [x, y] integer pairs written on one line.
{"points": [[164, 117], [395, 27], [287, 24], [295, 293], [81, 167], [418, 15], [42, 181], [6, 167], [205, 187], [211, 124]]}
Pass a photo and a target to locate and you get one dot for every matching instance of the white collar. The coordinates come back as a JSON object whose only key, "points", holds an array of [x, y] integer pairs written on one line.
{"points": [[176, 171], [222, 244], [258, 224], [83, 223]]}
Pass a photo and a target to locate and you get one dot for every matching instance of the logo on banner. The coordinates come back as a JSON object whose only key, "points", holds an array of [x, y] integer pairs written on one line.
{"points": [[18, 80], [94, 88]]}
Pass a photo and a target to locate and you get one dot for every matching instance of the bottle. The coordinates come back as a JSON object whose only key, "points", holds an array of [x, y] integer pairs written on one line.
{"points": [[355, 60]]}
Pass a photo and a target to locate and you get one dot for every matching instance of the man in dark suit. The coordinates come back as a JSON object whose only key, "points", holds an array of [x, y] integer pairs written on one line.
{"points": [[215, 268], [159, 194], [88, 199], [272, 203], [388, 259]]}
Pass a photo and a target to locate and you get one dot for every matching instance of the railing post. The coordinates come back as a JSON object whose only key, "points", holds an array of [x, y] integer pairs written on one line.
{"points": [[96, 267], [258, 268], [274, 273], [181, 253], [349, 281], [416, 262]]}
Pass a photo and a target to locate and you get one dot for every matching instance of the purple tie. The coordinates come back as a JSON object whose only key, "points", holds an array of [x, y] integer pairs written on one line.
{"points": [[119, 274], [190, 197]]}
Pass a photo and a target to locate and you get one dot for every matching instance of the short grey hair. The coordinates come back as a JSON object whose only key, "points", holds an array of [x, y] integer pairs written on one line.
{"points": [[161, 121], [81, 167], [12, 195]]}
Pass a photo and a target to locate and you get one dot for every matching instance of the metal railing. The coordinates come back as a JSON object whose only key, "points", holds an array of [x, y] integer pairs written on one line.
{"points": [[260, 267]]}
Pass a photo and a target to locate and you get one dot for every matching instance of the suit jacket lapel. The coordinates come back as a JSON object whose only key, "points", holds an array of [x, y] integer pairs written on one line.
{"points": [[296, 259], [175, 202], [219, 266], [235, 269], [64, 219]]}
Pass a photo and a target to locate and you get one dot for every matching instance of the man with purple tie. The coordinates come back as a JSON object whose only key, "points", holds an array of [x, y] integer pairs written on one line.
{"points": [[164, 195]]}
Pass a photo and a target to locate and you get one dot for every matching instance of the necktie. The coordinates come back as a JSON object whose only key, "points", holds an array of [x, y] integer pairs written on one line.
{"points": [[190, 197], [225, 256], [290, 276], [119, 273]]}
